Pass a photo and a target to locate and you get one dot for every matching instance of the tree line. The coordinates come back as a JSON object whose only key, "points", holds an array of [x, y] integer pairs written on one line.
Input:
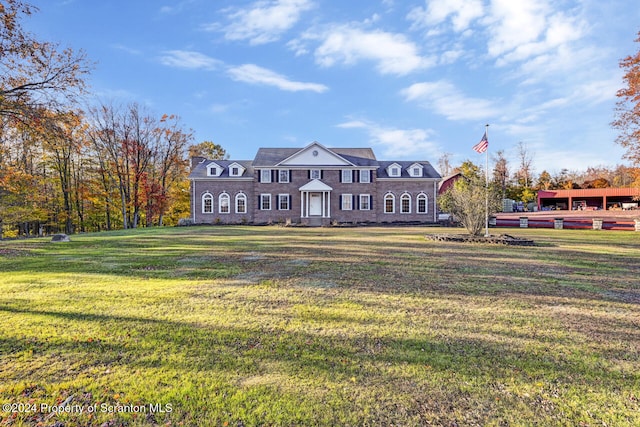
{"points": [[69, 168]]}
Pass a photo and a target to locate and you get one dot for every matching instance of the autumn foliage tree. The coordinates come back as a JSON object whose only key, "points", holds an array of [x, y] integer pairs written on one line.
{"points": [[35, 76], [627, 112]]}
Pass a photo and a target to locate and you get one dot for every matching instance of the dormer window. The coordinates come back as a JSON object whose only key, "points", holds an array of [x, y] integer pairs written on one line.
{"points": [[214, 170], [395, 171], [236, 169], [415, 170]]}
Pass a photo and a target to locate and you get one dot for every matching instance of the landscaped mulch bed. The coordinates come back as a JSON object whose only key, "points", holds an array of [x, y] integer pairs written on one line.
{"points": [[502, 239]]}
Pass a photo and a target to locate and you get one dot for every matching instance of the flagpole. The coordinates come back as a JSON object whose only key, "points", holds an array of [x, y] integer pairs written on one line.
{"points": [[486, 185]]}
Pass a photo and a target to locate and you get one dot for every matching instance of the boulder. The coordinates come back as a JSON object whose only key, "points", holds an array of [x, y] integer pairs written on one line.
{"points": [[60, 238]]}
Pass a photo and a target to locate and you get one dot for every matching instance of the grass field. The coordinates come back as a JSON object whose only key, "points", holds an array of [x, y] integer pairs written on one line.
{"points": [[244, 326]]}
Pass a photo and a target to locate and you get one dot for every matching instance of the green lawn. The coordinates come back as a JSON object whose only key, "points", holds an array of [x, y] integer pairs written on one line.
{"points": [[244, 326]]}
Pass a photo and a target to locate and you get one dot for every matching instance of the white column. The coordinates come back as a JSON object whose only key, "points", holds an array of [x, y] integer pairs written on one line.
{"points": [[329, 204]]}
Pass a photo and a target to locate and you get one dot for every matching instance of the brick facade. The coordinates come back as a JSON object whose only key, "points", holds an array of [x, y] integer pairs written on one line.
{"points": [[293, 195]]}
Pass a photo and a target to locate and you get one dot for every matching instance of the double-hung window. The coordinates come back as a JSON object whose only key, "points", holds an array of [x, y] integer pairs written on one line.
{"points": [[241, 203], [265, 202], [347, 176], [207, 203], [283, 175], [224, 202], [265, 175], [421, 202], [389, 203], [405, 203], [365, 202], [283, 202], [347, 202], [365, 176]]}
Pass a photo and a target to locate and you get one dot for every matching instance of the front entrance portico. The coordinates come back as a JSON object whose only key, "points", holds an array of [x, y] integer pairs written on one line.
{"points": [[315, 200]]}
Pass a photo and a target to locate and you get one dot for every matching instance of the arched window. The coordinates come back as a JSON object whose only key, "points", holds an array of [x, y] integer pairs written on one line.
{"points": [[224, 202], [241, 203], [405, 203], [207, 203], [389, 203], [422, 204]]}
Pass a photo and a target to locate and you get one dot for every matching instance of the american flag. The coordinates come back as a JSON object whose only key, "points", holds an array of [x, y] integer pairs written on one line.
{"points": [[482, 146]]}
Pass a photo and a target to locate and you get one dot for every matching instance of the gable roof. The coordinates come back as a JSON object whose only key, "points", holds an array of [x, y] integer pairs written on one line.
{"points": [[274, 157]]}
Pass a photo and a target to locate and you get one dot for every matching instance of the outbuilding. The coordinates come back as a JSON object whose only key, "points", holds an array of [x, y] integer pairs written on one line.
{"points": [[589, 199]]}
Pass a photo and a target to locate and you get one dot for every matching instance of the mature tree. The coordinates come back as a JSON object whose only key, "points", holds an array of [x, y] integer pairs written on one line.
{"points": [[627, 112], [545, 181], [209, 150], [444, 164], [466, 199], [501, 172], [35, 76]]}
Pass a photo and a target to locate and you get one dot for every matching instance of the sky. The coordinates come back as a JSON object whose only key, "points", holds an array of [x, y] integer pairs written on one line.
{"points": [[412, 79]]}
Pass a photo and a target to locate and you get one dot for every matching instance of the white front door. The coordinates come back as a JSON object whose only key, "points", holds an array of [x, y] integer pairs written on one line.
{"points": [[315, 204]]}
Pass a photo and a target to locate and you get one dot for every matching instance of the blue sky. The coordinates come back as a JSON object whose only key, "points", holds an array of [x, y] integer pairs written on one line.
{"points": [[412, 79]]}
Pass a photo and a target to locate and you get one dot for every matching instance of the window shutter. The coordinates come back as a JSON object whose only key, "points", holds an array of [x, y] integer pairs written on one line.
{"points": [[340, 199], [340, 172], [259, 203], [355, 202], [309, 174], [321, 174], [370, 176], [290, 175], [259, 175], [275, 176], [289, 201], [370, 202]]}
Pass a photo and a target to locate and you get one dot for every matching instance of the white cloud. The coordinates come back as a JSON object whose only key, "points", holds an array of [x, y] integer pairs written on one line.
{"points": [[264, 21], [445, 99], [528, 28], [253, 74], [397, 143], [189, 59], [393, 53], [461, 12]]}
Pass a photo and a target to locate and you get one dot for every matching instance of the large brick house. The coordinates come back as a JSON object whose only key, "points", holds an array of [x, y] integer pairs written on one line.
{"points": [[314, 185]]}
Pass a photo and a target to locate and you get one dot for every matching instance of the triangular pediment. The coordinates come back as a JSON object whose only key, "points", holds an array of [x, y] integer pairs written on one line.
{"points": [[315, 185], [315, 154]]}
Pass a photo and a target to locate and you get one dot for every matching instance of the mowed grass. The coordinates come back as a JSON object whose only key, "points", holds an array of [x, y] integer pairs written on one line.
{"points": [[245, 326]]}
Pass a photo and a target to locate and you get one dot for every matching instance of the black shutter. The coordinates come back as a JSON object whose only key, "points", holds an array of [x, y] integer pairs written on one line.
{"points": [[259, 175], [340, 199], [340, 173], [259, 203], [357, 176], [309, 174], [355, 202], [274, 175], [321, 174], [290, 175], [370, 202], [289, 201]]}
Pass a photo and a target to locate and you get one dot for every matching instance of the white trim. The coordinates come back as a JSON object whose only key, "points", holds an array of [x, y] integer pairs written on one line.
{"points": [[280, 198], [350, 175], [405, 196], [280, 175], [345, 197], [267, 173], [238, 197], [368, 197], [367, 174], [384, 204], [221, 196], [419, 197], [263, 197], [208, 196]]}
